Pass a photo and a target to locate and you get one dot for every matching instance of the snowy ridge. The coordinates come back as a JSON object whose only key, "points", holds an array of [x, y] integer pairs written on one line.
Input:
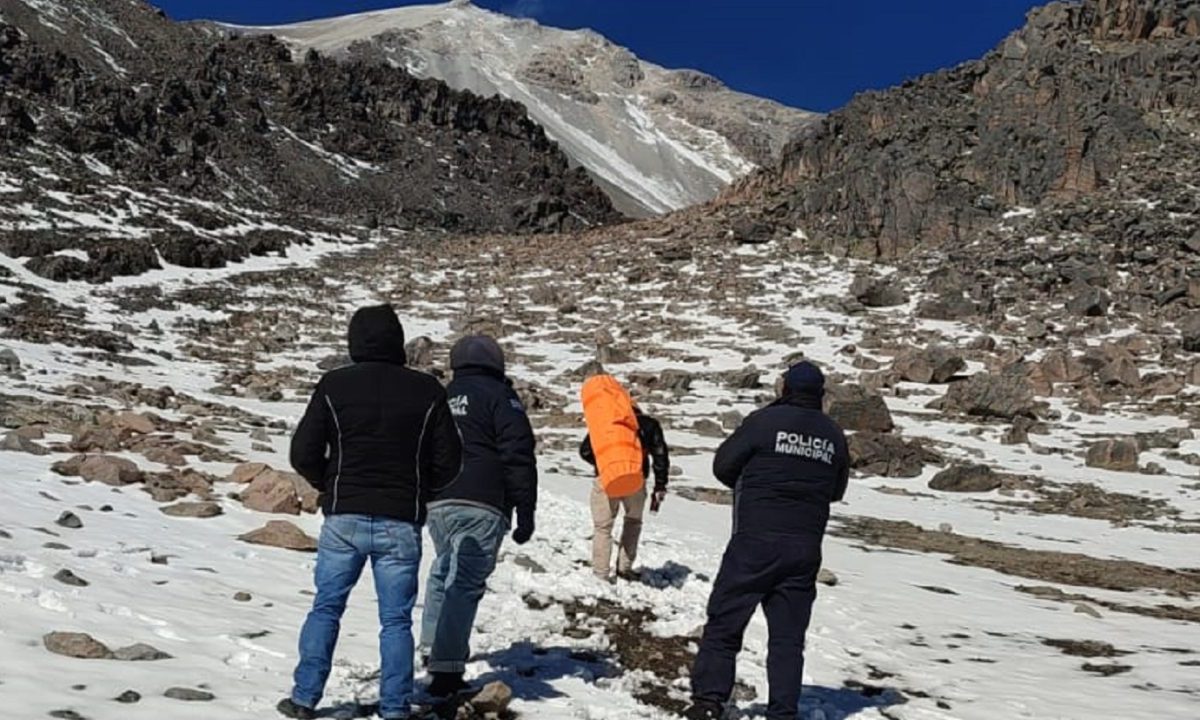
{"points": [[657, 139]]}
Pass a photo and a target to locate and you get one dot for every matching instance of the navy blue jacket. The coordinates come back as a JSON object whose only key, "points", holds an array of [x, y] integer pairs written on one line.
{"points": [[786, 464], [499, 466]]}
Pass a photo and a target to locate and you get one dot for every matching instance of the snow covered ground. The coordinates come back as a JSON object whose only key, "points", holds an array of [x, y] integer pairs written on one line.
{"points": [[903, 635]]}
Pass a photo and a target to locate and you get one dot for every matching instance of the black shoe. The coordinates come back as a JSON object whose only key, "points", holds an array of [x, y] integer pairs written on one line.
{"points": [[704, 711], [629, 576], [446, 685], [287, 708]]}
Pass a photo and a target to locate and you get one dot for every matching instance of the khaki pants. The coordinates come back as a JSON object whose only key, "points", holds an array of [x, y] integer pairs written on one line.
{"points": [[604, 517]]}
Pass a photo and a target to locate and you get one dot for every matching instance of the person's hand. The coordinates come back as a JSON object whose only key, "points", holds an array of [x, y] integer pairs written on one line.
{"points": [[524, 529], [656, 499]]}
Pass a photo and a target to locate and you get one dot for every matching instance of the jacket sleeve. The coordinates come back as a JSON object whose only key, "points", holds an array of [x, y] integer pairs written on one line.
{"points": [[443, 444], [843, 467], [517, 446], [310, 443], [586, 452], [660, 455], [733, 455]]}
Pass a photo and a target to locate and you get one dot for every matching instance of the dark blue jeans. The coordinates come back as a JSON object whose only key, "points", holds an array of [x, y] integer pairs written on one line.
{"points": [[779, 573], [467, 540], [394, 548]]}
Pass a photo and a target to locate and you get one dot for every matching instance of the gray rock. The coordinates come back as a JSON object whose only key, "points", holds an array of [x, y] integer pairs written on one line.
{"points": [[1118, 454], [129, 697], [242, 597], [192, 510], [1004, 396], [967, 479], [934, 364], [16, 442], [140, 652], [281, 534], [189, 694], [826, 577], [708, 428], [1089, 302], [76, 645], [858, 410], [9, 362], [420, 352], [66, 577], [887, 455], [1190, 327], [493, 699], [878, 293], [69, 520]]}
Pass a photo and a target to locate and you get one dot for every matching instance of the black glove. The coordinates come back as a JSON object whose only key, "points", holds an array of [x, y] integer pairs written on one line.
{"points": [[657, 497], [524, 529]]}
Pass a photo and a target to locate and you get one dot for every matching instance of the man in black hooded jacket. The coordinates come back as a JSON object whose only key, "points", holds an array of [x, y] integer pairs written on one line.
{"points": [[469, 518], [785, 464], [377, 441]]}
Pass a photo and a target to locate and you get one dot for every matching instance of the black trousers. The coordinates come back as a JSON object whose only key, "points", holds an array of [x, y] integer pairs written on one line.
{"points": [[779, 573]]}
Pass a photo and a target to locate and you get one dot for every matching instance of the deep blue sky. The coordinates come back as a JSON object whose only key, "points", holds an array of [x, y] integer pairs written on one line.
{"points": [[813, 54]]}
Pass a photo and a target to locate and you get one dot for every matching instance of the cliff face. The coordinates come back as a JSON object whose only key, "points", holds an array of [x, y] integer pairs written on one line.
{"points": [[1053, 113]]}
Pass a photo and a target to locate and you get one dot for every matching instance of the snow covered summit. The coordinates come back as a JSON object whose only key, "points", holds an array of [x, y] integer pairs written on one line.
{"points": [[656, 139]]}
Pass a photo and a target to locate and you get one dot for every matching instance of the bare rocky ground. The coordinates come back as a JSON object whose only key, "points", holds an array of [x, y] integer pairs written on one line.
{"points": [[1063, 462]]}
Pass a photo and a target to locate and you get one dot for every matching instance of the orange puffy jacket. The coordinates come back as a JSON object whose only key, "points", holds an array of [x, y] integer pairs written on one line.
{"points": [[613, 428]]}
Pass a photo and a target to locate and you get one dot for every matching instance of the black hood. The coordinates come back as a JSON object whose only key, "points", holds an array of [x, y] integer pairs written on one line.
{"points": [[377, 336], [479, 352]]}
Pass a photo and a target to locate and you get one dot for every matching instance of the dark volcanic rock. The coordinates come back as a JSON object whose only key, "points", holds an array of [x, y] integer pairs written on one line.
{"points": [[1001, 396], [889, 455], [856, 409], [966, 478]]}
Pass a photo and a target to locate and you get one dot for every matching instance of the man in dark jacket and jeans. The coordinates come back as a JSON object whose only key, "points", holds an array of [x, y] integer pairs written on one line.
{"points": [[604, 508], [469, 518], [377, 441], [785, 464]]}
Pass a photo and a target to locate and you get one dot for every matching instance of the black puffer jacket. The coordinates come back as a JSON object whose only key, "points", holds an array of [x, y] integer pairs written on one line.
{"points": [[377, 438], [654, 450], [786, 464], [499, 465]]}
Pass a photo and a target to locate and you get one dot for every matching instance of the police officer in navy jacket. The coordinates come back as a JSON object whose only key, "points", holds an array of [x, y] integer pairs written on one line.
{"points": [[785, 464]]}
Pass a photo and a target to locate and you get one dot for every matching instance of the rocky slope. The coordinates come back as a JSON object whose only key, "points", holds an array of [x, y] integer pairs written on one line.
{"points": [[1056, 114], [107, 96], [657, 139]]}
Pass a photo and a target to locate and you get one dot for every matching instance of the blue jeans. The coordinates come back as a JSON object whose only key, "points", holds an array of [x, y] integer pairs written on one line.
{"points": [[467, 540], [394, 548]]}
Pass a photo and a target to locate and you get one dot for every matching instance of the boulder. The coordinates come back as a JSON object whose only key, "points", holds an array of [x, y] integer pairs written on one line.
{"points": [[886, 455], [281, 534], [16, 442], [708, 428], [272, 492], [1089, 302], [1123, 372], [10, 364], [420, 352], [748, 379], [1190, 328], [246, 472], [192, 510], [1003, 396], [858, 410], [99, 468], [1119, 454], [934, 364], [141, 652], [875, 293], [76, 645], [493, 699], [966, 478], [136, 423]]}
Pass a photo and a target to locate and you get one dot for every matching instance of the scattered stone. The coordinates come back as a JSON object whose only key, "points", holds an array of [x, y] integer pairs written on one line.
{"points": [[202, 510], [17, 442], [935, 364], [1090, 302], [493, 699], [748, 379], [10, 364], [100, 468], [877, 293], [1190, 328], [242, 597], [856, 409], [1106, 670], [140, 652], [66, 577], [985, 395], [708, 428], [826, 577], [887, 455], [272, 492], [69, 520], [1084, 648], [246, 472], [420, 352], [281, 534], [76, 645], [333, 362], [189, 695], [67, 715], [129, 697], [136, 423], [1118, 454], [966, 478]]}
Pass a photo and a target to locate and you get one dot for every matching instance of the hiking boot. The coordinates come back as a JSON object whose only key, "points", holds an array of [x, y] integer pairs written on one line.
{"points": [[446, 685], [629, 576], [704, 711], [290, 709]]}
